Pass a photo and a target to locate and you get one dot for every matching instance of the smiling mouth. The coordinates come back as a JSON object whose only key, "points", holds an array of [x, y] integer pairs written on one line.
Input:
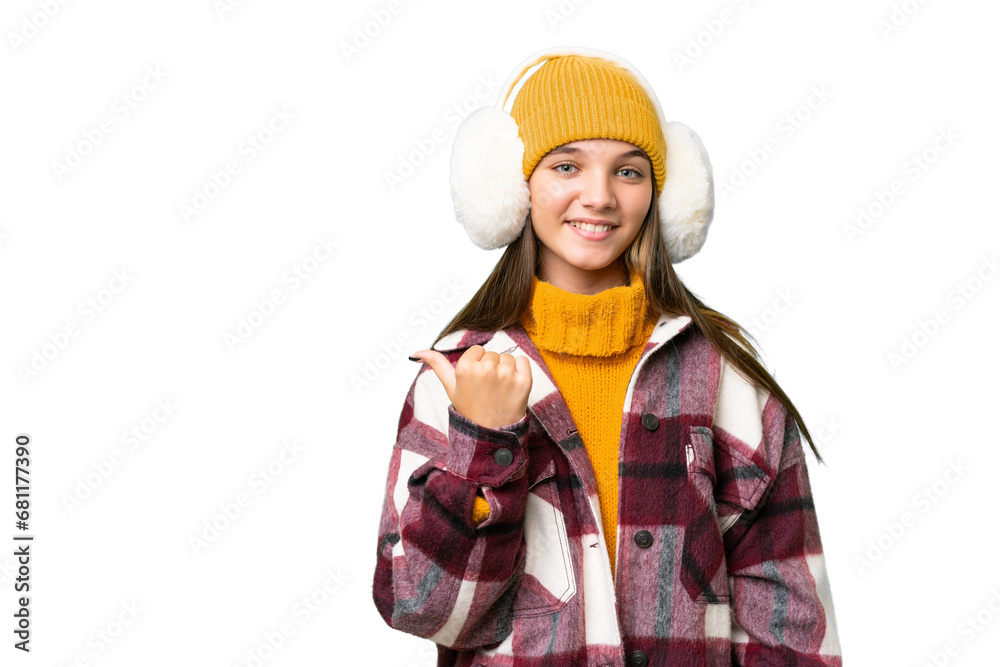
{"points": [[591, 228]]}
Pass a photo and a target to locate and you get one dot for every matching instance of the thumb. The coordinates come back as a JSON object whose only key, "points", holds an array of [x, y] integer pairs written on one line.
{"points": [[441, 367]]}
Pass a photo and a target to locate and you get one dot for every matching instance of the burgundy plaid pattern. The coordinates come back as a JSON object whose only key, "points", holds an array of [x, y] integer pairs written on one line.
{"points": [[719, 559]]}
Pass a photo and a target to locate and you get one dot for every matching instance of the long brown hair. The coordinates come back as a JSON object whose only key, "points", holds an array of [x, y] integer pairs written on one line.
{"points": [[505, 296]]}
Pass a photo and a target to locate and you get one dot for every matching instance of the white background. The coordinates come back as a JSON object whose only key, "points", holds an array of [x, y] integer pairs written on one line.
{"points": [[403, 267]]}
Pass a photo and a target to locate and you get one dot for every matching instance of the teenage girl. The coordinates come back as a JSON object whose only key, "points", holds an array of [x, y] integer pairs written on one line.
{"points": [[592, 467]]}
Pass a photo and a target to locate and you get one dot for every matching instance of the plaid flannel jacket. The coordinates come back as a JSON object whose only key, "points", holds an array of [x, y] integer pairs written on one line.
{"points": [[719, 559]]}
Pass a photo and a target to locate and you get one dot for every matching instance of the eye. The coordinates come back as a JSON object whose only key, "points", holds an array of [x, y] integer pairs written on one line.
{"points": [[635, 172], [559, 166]]}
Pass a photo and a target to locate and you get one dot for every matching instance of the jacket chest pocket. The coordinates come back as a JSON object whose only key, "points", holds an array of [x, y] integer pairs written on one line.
{"points": [[548, 581], [721, 485]]}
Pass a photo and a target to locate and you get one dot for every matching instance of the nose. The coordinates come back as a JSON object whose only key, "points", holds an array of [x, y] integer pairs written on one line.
{"points": [[597, 192]]}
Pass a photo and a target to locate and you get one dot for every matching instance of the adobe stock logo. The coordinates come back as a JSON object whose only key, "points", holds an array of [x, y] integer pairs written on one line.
{"points": [[924, 500], [218, 180], [58, 341], [766, 319], [788, 125], [366, 33], [968, 629], [124, 105], [33, 24], [409, 161], [402, 344], [712, 29], [914, 168], [928, 328], [234, 508]]}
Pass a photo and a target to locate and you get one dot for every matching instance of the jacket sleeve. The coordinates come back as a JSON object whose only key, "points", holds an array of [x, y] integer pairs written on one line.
{"points": [[782, 608], [438, 574]]}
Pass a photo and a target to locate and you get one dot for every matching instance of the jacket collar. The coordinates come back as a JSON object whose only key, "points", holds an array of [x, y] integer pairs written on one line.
{"points": [[516, 338]]}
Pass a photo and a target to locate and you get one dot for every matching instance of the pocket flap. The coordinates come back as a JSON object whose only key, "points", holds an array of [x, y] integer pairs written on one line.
{"points": [[541, 465], [542, 474], [699, 451], [739, 481], [736, 479]]}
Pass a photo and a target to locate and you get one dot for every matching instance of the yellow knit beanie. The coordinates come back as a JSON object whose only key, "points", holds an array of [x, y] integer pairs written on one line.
{"points": [[574, 97]]}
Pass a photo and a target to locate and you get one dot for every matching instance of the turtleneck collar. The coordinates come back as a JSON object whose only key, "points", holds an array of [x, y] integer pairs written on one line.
{"points": [[603, 324]]}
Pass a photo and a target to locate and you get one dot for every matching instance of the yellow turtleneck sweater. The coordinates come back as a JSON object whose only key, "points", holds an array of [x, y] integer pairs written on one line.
{"points": [[591, 344]]}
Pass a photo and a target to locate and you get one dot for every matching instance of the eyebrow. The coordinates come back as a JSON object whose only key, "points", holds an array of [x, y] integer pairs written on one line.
{"points": [[573, 150]]}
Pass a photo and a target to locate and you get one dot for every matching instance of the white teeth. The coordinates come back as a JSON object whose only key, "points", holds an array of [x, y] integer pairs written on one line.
{"points": [[589, 227]]}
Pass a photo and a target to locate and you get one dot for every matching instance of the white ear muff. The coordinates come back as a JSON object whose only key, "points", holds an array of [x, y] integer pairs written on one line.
{"points": [[487, 179], [487, 175], [491, 195], [687, 202]]}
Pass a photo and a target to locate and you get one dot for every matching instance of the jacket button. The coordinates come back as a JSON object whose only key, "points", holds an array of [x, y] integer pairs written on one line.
{"points": [[638, 659], [650, 421], [503, 456], [644, 539]]}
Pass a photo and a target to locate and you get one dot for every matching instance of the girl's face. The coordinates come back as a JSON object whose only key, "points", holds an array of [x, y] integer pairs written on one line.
{"points": [[603, 182]]}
